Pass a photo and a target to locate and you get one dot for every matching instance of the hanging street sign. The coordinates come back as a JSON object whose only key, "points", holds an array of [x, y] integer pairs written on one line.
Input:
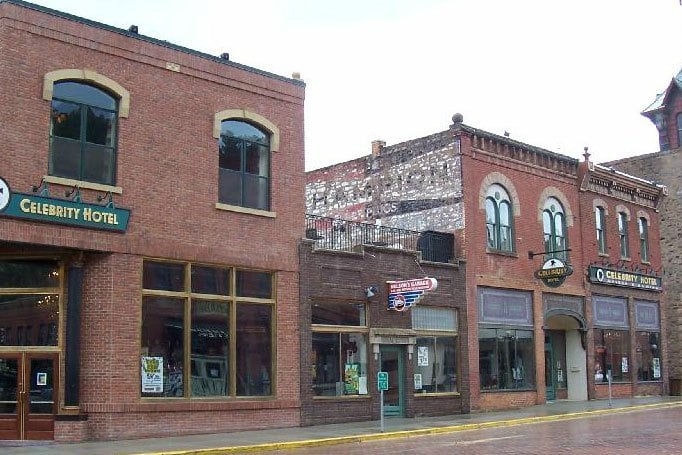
{"points": [[403, 294], [554, 272]]}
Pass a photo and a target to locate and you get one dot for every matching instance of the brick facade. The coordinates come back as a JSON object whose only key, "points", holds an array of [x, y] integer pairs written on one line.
{"points": [[167, 175]]}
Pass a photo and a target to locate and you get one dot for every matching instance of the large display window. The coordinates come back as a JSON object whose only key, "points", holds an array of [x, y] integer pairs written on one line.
{"points": [[206, 331], [339, 349], [506, 359], [435, 362]]}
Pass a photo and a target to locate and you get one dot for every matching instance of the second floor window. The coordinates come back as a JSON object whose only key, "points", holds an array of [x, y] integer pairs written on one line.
{"points": [[498, 215], [600, 227], [244, 165], [83, 133], [554, 227], [623, 234], [644, 239]]}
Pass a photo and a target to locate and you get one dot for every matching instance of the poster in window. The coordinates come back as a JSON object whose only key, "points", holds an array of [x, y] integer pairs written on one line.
{"points": [[417, 381], [41, 378], [656, 363], [422, 356], [362, 385], [624, 364], [351, 378], [152, 374]]}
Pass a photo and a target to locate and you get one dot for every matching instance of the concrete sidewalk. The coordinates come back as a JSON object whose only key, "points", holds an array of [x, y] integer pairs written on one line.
{"points": [[288, 438]]}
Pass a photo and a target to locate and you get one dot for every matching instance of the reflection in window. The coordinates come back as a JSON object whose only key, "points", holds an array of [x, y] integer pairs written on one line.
{"points": [[611, 352], [506, 359], [83, 133], [643, 225], [335, 313], [554, 227], [600, 227], [498, 212], [648, 356], [244, 165], [339, 364], [23, 315], [435, 364], [254, 339], [17, 273], [210, 348]]}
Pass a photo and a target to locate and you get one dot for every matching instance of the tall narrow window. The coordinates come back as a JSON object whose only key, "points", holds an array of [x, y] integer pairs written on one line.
{"points": [[600, 227], [83, 133], [244, 161], [623, 234], [498, 213], [554, 227], [644, 239]]}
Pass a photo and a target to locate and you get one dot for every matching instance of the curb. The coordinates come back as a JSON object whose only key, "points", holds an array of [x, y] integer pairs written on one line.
{"points": [[410, 433]]}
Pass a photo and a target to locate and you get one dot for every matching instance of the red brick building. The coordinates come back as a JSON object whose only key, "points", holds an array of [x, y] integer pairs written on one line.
{"points": [[139, 184], [547, 316]]}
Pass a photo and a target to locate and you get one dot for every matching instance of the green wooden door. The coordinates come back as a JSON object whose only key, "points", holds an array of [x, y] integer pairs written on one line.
{"points": [[550, 393]]}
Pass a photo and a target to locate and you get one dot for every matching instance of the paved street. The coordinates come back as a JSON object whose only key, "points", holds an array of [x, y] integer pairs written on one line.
{"points": [[637, 432]]}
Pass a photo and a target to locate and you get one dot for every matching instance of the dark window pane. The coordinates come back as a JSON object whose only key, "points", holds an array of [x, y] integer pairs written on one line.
{"points": [[506, 359], [210, 280], [41, 394], [210, 348], [162, 337], [612, 348], [254, 350], [98, 164], [25, 312], [230, 187], [85, 94], [65, 158], [29, 274], [327, 364], [230, 153], [243, 130], [336, 313], [66, 120], [256, 192], [163, 276], [9, 378], [254, 284], [648, 356], [100, 126]]}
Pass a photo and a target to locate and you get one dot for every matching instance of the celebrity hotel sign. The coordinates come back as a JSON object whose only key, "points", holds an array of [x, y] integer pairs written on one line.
{"points": [[624, 278], [61, 211]]}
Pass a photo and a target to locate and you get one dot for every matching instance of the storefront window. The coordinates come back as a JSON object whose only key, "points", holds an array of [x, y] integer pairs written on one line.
{"points": [[339, 349], [611, 352], [435, 357], [506, 359], [168, 324], [648, 356]]}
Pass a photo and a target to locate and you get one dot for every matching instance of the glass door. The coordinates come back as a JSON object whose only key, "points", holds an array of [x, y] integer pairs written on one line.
{"points": [[550, 393], [28, 385], [392, 363]]}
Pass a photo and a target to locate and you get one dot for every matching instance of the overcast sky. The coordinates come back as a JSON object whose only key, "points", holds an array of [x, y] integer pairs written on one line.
{"points": [[560, 75]]}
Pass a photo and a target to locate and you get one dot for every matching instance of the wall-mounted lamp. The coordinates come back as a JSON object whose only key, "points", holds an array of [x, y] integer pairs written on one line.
{"points": [[371, 291]]}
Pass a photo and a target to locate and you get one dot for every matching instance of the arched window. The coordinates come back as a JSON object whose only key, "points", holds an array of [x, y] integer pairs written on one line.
{"points": [[554, 227], [623, 234], [600, 225], [644, 239], [83, 133], [498, 214], [244, 165]]}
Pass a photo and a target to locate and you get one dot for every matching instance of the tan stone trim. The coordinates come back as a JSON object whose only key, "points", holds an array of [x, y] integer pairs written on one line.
{"points": [[620, 208], [597, 202], [236, 208], [506, 183], [82, 184], [92, 77], [247, 115], [645, 215], [556, 193]]}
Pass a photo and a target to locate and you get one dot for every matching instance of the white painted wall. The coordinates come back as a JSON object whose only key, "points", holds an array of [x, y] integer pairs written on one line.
{"points": [[576, 361]]}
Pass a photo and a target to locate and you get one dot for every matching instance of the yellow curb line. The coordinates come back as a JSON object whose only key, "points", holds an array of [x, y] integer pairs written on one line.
{"points": [[410, 433]]}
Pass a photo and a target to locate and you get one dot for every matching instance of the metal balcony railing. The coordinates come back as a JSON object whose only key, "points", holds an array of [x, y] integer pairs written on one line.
{"points": [[337, 234]]}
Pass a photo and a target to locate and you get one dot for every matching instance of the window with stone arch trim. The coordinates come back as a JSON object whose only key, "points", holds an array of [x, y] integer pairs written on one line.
{"points": [[85, 107], [601, 211], [246, 141], [623, 220], [643, 223], [556, 217], [500, 201]]}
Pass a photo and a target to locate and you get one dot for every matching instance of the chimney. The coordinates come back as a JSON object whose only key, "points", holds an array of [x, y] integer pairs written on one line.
{"points": [[377, 147]]}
